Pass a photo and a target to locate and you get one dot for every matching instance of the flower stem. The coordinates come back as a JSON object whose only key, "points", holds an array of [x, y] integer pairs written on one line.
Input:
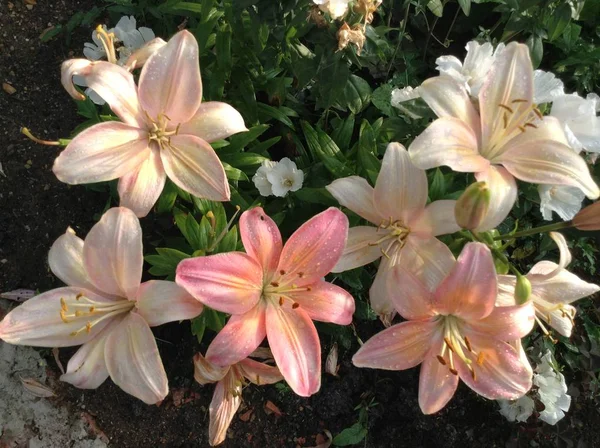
{"points": [[536, 230]]}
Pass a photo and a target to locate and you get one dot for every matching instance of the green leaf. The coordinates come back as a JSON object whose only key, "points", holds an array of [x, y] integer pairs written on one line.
{"points": [[165, 263], [438, 186], [215, 320], [229, 241], [324, 148], [167, 198], [223, 49], [382, 99], [367, 152], [198, 327], [357, 94], [465, 5], [351, 436], [342, 134], [316, 196], [275, 113], [239, 141], [536, 49], [558, 21], [234, 173]]}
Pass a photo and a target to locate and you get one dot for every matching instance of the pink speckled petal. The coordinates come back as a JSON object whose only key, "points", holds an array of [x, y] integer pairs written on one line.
{"points": [[261, 239]]}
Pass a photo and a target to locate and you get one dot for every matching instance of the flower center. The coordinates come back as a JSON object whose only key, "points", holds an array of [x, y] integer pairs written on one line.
{"points": [[91, 311], [279, 288], [159, 132], [288, 183], [457, 346], [517, 116], [394, 233], [108, 42]]}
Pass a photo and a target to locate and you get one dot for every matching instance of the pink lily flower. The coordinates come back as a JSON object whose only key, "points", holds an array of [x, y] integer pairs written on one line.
{"points": [[508, 138], [553, 290], [105, 308], [165, 128], [405, 228], [456, 331], [228, 394], [274, 291]]}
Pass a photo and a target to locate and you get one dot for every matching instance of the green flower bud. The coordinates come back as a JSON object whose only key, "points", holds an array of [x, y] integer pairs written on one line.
{"points": [[522, 289], [472, 206]]}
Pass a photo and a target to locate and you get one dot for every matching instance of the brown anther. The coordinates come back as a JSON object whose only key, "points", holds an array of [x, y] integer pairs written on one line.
{"points": [[441, 360], [88, 327], [262, 218], [92, 309], [531, 125], [63, 304], [308, 288], [295, 305], [480, 359], [538, 113], [79, 296], [522, 129], [258, 380], [275, 284], [504, 106], [473, 375], [63, 317], [468, 344], [519, 101], [78, 313], [300, 274], [448, 344], [282, 272], [280, 301], [453, 371], [505, 120]]}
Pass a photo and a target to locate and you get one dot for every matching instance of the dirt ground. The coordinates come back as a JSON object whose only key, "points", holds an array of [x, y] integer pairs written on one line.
{"points": [[35, 208]]}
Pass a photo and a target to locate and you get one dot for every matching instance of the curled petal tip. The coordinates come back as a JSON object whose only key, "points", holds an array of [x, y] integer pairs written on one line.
{"points": [[71, 68]]}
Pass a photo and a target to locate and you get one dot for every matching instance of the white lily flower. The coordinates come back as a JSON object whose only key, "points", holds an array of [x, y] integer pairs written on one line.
{"points": [[552, 390], [578, 116], [260, 178], [565, 201], [335, 8], [284, 177], [546, 87], [518, 410]]}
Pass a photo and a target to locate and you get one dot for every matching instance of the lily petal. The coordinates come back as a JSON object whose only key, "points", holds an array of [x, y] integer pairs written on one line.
{"points": [[229, 282], [436, 383], [506, 290], [315, 248], [170, 82], [500, 374], [260, 373], [360, 249], [356, 194], [261, 238], [206, 372], [113, 254], [399, 347], [378, 293], [139, 57], [66, 261], [510, 83], [437, 219], [506, 323], [561, 319], [102, 152], [447, 98], [140, 189], [214, 121], [409, 295], [239, 337], [193, 166], [296, 347], [562, 287], [401, 187], [87, 367], [470, 290], [133, 360], [38, 321], [503, 195], [224, 404], [112, 83], [448, 141], [326, 302], [160, 301], [549, 162], [429, 260]]}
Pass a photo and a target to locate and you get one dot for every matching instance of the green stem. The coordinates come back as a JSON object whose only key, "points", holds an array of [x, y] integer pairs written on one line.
{"points": [[536, 230]]}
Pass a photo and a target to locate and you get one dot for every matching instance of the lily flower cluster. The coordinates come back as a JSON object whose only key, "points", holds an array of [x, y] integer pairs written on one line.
{"points": [[461, 319]]}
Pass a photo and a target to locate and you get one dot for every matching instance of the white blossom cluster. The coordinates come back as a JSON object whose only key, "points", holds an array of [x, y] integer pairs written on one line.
{"points": [[278, 178]]}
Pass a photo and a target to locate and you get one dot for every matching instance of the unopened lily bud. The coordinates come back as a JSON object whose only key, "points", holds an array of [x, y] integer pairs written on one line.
{"points": [[331, 364], [588, 218], [522, 290], [472, 206]]}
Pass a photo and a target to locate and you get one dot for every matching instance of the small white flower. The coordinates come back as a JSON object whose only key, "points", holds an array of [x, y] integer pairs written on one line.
{"points": [[546, 87], [335, 8], [284, 177], [133, 38], [578, 116], [260, 178], [400, 96], [96, 50], [564, 200], [517, 410], [552, 390]]}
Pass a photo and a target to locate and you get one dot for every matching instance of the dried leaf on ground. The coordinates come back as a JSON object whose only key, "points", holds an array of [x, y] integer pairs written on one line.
{"points": [[36, 388], [270, 408]]}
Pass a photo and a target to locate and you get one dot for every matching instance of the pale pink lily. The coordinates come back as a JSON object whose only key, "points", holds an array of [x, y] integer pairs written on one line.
{"points": [[165, 128], [228, 394], [405, 227], [105, 308], [274, 291], [553, 290], [507, 139], [456, 331]]}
